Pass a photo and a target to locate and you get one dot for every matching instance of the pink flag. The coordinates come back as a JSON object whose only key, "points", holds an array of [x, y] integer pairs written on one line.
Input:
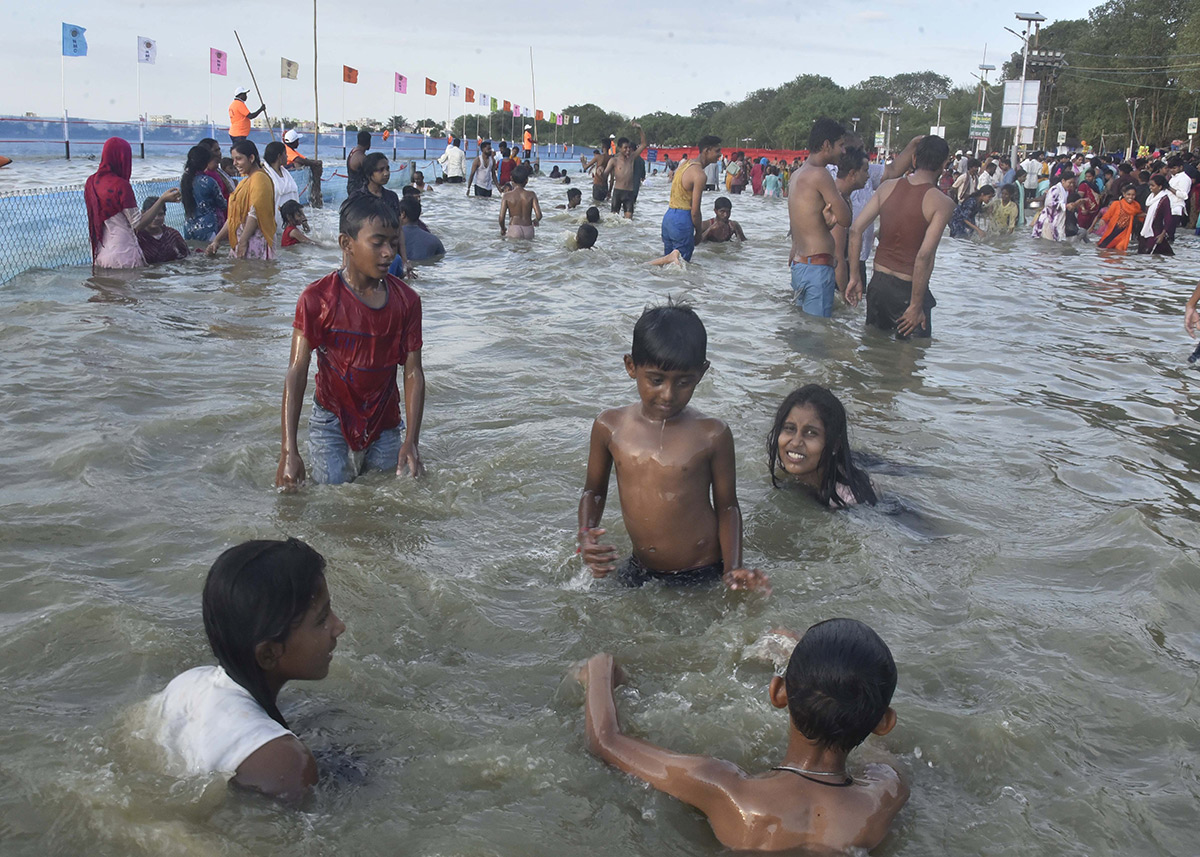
{"points": [[401, 84], [516, 110], [218, 62]]}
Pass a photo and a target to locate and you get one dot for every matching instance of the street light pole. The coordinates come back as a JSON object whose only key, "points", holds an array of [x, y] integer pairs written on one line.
{"points": [[1030, 19]]}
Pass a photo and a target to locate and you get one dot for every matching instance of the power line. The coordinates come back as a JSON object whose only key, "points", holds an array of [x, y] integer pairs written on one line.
{"points": [[1126, 83], [1130, 56], [1138, 69]]}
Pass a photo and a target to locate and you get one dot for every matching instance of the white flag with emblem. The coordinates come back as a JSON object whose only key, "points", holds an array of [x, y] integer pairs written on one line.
{"points": [[288, 68], [147, 50]]}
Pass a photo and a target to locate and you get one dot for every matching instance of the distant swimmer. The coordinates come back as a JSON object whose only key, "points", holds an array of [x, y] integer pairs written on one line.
{"points": [[585, 236], [520, 206], [624, 178], [240, 115], [719, 227], [574, 198], [814, 207], [912, 214], [681, 223]]}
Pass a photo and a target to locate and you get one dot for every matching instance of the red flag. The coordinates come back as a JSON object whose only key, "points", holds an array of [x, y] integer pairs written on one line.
{"points": [[540, 117], [430, 87], [470, 95], [349, 75], [508, 107]]}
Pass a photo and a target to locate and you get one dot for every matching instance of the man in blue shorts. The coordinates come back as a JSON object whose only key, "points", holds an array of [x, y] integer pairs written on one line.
{"points": [[815, 206], [682, 222]]}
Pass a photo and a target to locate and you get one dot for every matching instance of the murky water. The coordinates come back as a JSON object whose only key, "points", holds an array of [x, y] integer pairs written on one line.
{"points": [[1036, 579]]}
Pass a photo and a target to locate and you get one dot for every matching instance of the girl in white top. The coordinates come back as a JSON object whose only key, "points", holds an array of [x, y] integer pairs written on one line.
{"points": [[269, 621]]}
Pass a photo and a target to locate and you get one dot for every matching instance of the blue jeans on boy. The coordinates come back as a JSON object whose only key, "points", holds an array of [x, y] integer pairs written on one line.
{"points": [[330, 459], [813, 287], [678, 232]]}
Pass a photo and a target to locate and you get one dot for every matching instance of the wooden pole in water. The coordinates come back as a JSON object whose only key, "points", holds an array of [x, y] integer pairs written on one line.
{"points": [[266, 115], [533, 87], [316, 100]]}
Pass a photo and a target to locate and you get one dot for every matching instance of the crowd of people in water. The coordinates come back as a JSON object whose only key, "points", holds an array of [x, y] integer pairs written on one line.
{"points": [[266, 604]]}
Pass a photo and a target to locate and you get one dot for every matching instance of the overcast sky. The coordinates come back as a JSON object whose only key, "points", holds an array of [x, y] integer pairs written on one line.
{"points": [[646, 56]]}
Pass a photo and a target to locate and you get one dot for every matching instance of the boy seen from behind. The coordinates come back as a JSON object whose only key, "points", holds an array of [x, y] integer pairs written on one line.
{"points": [[520, 206], [675, 468], [364, 325], [838, 689]]}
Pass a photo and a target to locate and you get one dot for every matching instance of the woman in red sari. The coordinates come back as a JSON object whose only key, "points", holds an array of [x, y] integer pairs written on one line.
{"points": [[1089, 202], [113, 215]]}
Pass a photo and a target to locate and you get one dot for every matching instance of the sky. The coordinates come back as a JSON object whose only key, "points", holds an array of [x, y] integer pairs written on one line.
{"points": [[631, 57]]}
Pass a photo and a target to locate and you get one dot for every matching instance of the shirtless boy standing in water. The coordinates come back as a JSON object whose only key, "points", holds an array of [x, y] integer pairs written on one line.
{"points": [[814, 205], [521, 205], [625, 188], [675, 468]]}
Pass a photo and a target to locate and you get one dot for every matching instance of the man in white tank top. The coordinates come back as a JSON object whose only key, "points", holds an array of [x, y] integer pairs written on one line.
{"points": [[484, 167]]}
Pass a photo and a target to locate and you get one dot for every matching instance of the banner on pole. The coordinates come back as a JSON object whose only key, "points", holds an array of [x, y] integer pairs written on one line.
{"points": [[349, 75], [454, 90], [288, 68], [541, 116], [517, 110], [574, 120], [556, 118], [470, 96], [879, 139], [1193, 125], [1014, 103], [74, 44], [508, 107], [430, 87], [494, 106], [401, 84], [981, 126], [481, 99], [147, 50], [218, 62]]}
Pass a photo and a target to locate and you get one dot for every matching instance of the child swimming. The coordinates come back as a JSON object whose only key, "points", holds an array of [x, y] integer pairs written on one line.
{"points": [[810, 442], [838, 689], [675, 468], [269, 620]]}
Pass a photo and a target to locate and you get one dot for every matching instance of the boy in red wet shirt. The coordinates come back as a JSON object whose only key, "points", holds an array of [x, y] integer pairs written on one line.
{"points": [[364, 324]]}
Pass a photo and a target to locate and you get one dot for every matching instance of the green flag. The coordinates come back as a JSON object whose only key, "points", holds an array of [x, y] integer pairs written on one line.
{"points": [[495, 105], [553, 118]]}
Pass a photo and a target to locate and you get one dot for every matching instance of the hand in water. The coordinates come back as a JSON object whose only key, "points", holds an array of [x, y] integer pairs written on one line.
{"points": [[747, 578], [211, 249], [912, 319], [289, 476], [410, 457], [604, 664], [600, 559]]}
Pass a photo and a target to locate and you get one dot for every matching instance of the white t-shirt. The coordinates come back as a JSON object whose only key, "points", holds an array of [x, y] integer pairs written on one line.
{"points": [[208, 723], [1181, 186], [285, 189], [454, 162], [712, 173], [1033, 173]]}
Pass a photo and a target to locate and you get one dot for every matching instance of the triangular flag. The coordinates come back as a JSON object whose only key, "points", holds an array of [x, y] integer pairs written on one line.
{"points": [[147, 50], [218, 62], [430, 87], [74, 44], [401, 84], [288, 68], [349, 75]]}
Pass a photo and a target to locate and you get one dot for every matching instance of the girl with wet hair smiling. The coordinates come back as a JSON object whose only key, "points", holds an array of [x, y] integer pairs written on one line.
{"points": [[810, 443]]}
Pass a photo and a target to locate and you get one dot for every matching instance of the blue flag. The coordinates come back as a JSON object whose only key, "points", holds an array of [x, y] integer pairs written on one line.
{"points": [[74, 44]]}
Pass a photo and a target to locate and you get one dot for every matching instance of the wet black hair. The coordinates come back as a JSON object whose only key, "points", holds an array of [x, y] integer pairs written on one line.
{"points": [[456, 141], [840, 680], [566, 179], [622, 141], [932, 153], [247, 149], [521, 173], [593, 215], [409, 190], [722, 202], [852, 159], [670, 337], [410, 207], [574, 192], [986, 190], [256, 592], [825, 130], [708, 141], [585, 236], [362, 207], [148, 202], [364, 139], [198, 159], [274, 150], [288, 209], [371, 163], [836, 465]]}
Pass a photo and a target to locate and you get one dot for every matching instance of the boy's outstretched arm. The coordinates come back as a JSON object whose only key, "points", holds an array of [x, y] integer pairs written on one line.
{"points": [[290, 473], [503, 212], [701, 781], [414, 407], [729, 518], [600, 559]]}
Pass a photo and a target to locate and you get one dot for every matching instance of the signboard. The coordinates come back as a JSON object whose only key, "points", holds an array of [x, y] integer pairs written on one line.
{"points": [[981, 126], [1193, 125], [1013, 102], [937, 131], [1062, 137], [879, 138]]}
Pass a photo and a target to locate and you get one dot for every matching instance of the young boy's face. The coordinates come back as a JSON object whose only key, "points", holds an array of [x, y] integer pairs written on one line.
{"points": [[664, 392], [370, 253], [722, 214]]}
